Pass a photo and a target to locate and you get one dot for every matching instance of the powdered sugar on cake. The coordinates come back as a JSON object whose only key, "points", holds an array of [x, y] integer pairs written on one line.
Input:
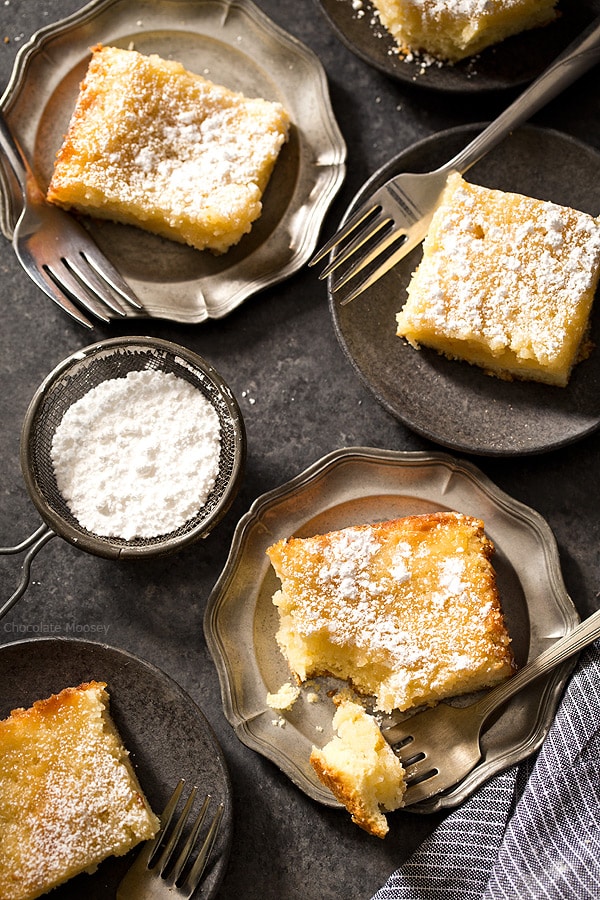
{"points": [[68, 793], [465, 8], [347, 564], [514, 272], [357, 599], [154, 145], [214, 149], [406, 610], [57, 836], [452, 30]]}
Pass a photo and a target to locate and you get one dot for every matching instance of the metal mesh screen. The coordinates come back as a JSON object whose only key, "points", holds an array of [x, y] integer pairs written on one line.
{"points": [[86, 371]]}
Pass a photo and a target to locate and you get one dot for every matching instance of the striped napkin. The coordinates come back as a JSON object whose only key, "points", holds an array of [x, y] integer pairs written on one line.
{"points": [[533, 831]]}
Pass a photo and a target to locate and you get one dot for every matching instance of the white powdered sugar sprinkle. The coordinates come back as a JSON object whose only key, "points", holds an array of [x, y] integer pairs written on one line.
{"points": [[347, 563], [137, 457]]}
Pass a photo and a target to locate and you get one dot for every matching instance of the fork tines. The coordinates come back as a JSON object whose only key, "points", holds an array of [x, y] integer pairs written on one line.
{"points": [[174, 862], [182, 870], [94, 283], [365, 213], [370, 242], [420, 776], [96, 278]]}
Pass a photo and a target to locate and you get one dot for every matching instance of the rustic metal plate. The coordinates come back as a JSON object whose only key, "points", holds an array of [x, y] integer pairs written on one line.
{"points": [[234, 44], [166, 734], [358, 485]]}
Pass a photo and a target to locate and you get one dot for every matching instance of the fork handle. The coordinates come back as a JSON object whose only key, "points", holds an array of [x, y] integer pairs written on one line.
{"points": [[13, 154], [561, 650], [580, 55]]}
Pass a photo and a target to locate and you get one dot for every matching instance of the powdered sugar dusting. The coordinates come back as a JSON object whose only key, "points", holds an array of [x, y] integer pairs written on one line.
{"points": [[137, 456], [469, 8], [362, 595], [163, 136], [512, 273], [346, 564], [57, 839], [406, 610], [69, 798], [452, 30]]}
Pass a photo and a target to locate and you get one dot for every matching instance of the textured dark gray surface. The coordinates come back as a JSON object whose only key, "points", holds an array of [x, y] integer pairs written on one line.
{"points": [[300, 399]]}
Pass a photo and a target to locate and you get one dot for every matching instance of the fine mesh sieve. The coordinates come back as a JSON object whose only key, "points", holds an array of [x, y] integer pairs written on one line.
{"points": [[74, 378]]}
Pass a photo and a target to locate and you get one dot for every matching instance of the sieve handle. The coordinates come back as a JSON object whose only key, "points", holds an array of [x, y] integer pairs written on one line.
{"points": [[33, 544]]}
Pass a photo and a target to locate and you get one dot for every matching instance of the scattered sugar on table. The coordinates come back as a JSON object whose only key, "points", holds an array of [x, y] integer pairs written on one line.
{"points": [[137, 457]]}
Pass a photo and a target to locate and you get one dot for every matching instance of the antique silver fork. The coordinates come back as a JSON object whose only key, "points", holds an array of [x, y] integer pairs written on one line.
{"points": [[161, 870], [58, 253], [440, 746], [396, 218]]}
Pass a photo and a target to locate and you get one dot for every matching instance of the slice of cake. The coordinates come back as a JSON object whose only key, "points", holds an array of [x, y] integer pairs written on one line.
{"points": [[506, 282], [406, 610], [153, 145], [69, 797], [360, 768], [454, 29]]}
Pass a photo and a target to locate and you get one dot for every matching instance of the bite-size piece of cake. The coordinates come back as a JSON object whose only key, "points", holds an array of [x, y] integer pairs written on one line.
{"points": [[153, 145], [506, 282], [407, 611], [360, 768], [454, 29], [69, 796]]}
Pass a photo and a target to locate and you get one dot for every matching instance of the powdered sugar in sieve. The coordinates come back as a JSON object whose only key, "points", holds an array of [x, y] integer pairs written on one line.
{"points": [[137, 456]]}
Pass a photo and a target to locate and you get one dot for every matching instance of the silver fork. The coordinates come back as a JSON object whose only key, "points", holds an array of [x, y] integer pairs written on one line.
{"points": [[162, 869], [396, 218], [440, 746], [58, 253]]}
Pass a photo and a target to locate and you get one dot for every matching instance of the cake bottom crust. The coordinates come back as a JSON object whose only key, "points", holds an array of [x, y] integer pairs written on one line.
{"points": [[448, 33]]}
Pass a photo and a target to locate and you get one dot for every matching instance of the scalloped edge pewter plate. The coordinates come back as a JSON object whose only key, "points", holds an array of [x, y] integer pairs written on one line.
{"points": [[511, 64], [357, 485], [450, 402], [233, 43], [166, 733]]}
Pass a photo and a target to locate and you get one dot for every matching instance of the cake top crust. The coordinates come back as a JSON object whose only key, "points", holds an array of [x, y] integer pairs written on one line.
{"points": [[168, 129], [513, 268], [358, 583], [408, 607], [68, 798], [153, 144], [466, 8]]}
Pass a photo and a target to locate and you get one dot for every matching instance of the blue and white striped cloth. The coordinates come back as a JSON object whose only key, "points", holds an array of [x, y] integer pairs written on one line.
{"points": [[533, 831]]}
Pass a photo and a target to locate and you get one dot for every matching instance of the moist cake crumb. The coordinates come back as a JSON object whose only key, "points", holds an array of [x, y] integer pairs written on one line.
{"points": [[285, 697], [360, 768], [407, 611]]}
